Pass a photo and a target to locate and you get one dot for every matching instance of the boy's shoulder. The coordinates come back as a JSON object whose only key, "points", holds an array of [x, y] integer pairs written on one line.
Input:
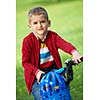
{"points": [[28, 36], [52, 32]]}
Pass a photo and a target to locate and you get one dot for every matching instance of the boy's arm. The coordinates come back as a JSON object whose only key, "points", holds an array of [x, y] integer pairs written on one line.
{"points": [[26, 59], [26, 62], [68, 47], [64, 45]]}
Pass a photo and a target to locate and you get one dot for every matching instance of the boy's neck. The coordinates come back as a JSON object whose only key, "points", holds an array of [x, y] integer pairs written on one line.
{"points": [[41, 37]]}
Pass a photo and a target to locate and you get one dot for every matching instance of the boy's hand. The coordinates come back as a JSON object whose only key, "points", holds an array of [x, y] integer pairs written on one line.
{"points": [[38, 75], [76, 56]]}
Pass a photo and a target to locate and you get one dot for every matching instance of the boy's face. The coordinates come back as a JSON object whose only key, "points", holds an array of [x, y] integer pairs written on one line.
{"points": [[39, 24]]}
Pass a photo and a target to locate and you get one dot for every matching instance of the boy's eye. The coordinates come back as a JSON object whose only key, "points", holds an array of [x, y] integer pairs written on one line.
{"points": [[35, 23], [43, 21]]}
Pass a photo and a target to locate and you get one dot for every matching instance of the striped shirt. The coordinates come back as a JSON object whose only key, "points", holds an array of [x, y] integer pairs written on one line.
{"points": [[46, 58]]}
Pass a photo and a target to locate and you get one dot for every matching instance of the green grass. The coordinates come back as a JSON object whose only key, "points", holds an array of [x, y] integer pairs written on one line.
{"points": [[66, 19]]}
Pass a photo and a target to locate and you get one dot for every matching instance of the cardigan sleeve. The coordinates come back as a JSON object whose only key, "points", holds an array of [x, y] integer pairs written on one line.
{"points": [[26, 62], [64, 45]]}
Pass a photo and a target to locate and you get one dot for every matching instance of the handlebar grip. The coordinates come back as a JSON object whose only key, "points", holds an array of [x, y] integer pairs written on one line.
{"points": [[71, 62], [78, 61], [81, 59]]}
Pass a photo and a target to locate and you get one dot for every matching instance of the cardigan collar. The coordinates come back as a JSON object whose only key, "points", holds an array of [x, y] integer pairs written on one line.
{"points": [[37, 36]]}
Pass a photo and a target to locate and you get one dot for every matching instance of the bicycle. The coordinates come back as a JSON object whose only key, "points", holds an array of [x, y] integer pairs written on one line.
{"points": [[53, 85]]}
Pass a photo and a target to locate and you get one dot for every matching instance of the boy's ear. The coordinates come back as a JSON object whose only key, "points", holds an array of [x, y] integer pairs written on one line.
{"points": [[29, 25], [49, 23]]}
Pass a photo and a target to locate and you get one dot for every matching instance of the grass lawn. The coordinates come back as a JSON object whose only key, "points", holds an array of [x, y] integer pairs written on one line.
{"points": [[67, 20]]}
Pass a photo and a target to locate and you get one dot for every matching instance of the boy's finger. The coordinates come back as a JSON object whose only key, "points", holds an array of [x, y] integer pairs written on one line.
{"points": [[75, 60]]}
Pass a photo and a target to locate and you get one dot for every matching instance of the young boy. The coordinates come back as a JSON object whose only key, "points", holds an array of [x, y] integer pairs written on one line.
{"points": [[40, 50]]}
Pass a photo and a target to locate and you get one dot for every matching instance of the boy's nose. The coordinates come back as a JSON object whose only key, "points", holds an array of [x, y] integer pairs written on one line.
{"points": [[39, 24]]}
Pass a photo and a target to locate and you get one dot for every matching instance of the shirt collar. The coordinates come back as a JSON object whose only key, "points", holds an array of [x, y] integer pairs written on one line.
{"points": [[38, 36]]}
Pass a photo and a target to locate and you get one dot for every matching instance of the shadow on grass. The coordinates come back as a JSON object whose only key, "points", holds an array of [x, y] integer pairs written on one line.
{"points": [[49, 2], [21, 4]]}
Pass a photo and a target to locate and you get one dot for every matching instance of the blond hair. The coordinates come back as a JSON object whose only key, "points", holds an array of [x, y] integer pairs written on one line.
{"points": [[37, 11]]}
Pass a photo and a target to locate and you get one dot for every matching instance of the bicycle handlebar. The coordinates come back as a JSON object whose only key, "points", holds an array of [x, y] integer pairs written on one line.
{"points": [[67, 69], [69, 64]]}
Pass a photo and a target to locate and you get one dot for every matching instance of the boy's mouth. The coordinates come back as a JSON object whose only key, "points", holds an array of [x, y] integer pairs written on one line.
{"points": [[40, 29]]}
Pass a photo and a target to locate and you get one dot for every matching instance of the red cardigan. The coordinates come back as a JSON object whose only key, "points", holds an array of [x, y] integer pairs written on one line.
{"points": [[31, 51]]}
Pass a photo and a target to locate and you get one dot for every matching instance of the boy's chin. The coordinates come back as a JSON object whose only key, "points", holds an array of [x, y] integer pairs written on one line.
{"points": [[41, 33]]}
